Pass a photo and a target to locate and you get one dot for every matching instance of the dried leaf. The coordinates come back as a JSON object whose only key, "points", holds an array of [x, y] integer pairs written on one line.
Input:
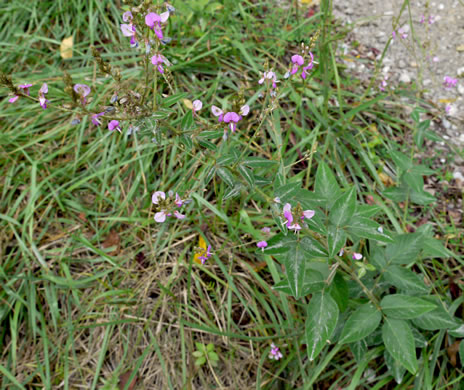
{"points": [[66, 47], [123, 381], [188, 103], [113, 240], [386, 180], [453, 350]]}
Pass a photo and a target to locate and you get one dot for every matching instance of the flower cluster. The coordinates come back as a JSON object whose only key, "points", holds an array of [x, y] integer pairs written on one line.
{"points": [[165, 206], [293, 219], [275, 353], [298, 62], [449, 82], [269, 76], [42, 92]]}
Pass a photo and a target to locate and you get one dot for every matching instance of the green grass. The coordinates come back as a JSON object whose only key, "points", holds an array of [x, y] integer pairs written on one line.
{"points": [[78, 310]]}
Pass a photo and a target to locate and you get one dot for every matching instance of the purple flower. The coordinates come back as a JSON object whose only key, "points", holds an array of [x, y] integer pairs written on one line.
{"points": [[13, 99], [244, 110], [275, 353], [158, 60], [448, 108], [206, 255], [422, 19], [95, 120], [266, 230], [383, 84], [128, 30], [449, 82], [114, 125], [153, 20], [357, 256], [262, 245], [127, 16], [197, 105], [431, 19], [233, 118], [42, 100]]}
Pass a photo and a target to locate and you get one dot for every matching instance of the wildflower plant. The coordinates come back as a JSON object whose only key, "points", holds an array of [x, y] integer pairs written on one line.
{"points": [[355, 272]]}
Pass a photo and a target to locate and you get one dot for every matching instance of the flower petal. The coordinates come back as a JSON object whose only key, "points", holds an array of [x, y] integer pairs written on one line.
{"points": [[216, 111], [160, 216], [157, 196]]}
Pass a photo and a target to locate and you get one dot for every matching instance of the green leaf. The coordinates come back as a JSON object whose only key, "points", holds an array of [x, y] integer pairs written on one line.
{"points": [[461, 352], [314, 282], [439, 318], [359, 350], [226, 176], [187, 121], [336, 239], [279, 244], [405, 307], [413, 180], [321, 322], [170, 100], [339, 291], [187, 141], [343, 208], [313, 247], [366, 228], [259, 162], [361, 323], [197, 354], [399, 342], [326, 186], [247, 174], [213, 356], [405, 280], [207, 144], [200, 361], [419, 339], [210, 347], [397, 371], [295, 269], [405, 248]]}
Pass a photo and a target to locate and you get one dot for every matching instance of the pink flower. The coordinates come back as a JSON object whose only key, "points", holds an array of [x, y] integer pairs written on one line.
{"points": [[158, 60], [269, 76], [157, 197], [403, 33], [422, 19], [179, 202], [298, 61], [244, 110], [275, 353], [449, 82], [266, 230], [197, 105], [383, 84], [82, 90], [128, 30], [26, 88], [357, 256], [431, 19], [206, 255], [95, 120], [42, 100], [178, 215], [218, 113], [262, 245], [308, 214], [114, 125], [26, 91], [153, 20]]}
